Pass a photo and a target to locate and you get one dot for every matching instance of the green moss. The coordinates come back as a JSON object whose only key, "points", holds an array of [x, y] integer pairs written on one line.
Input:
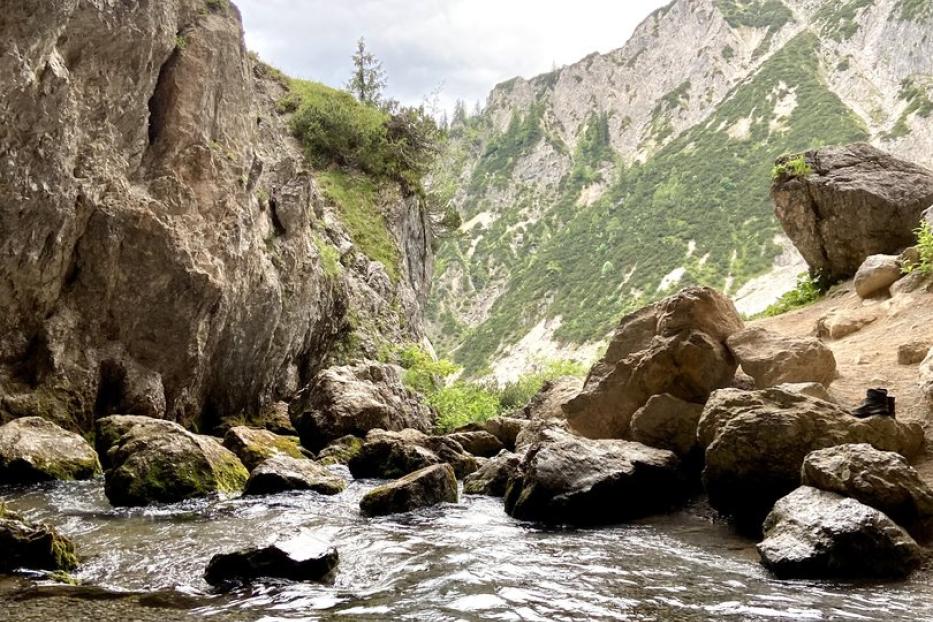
{"points": [[63, 553], [60, 576], [330, 257], [341, 451], [913, 10], [791, 167], [229, 475], [356, 199], [839, 20]]}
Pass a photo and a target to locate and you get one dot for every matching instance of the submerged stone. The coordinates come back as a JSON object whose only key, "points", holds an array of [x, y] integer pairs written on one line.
{"points": [[289, 561]]}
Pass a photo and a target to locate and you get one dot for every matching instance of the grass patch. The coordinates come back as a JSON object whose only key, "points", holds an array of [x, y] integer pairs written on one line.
{"points": [[330, 257], [791, 167], [924, 263], [355, 196], [809, 289]]}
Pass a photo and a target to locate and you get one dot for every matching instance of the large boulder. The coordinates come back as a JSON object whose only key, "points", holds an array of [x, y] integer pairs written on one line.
{"points": [[282, 473], [881, 479], [357, 399], [286, 561], [756, 442], [815, 534], [542, 431], [35, 450], [341, 451], [388, 455], [156, 461], [479, 443], [493, 477], [773, 359], [33, 546], [548, 402], [675, 346], [844, 322], [423, 488], [253, 445], [858, 201], [876, 275], [583, 481], [669, 423]]}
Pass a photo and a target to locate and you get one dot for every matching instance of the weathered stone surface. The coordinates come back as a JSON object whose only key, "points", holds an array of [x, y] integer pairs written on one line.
{"points": [[479, 443], [35, 450], [341, 451], [549, 402], [493, 477], [423, 488], [282, 473], [140, 273], [811, 389], [839, 324], [155, 461], [669, 423], [542, 431], [389, 455], [912, 353], [881, 479], [277, 562], [584, 481], [756, 442], [815, 534], [858, 202], [876, 275], [675, 346], [926, 377], [33, 546], [357, 399], [773, 359], [506, 429], [253, 446]]}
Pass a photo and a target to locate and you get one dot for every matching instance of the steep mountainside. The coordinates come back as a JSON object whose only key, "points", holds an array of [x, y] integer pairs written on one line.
{"points": [[591, 190], [164, 250]]}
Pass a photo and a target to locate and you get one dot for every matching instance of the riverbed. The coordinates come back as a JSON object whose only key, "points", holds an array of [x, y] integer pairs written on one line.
{"points": [[468, 561]]}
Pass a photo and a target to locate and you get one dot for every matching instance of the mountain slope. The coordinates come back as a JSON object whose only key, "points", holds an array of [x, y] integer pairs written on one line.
{"points": [[594, 189]]}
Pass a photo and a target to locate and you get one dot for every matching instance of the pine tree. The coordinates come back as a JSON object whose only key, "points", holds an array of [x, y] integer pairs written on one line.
{"points": [[369, 78]]}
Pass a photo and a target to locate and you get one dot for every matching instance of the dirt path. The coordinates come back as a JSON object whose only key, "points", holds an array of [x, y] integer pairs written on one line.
{"points": [[868, 358]]}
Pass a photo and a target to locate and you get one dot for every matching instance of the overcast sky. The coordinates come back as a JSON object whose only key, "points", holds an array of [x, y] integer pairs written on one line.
{"points": [[464, 46]]}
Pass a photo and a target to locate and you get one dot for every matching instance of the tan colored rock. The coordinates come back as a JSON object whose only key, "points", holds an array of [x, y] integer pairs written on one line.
{"points": [[35, 450], [356, 399], [479, 443], [859, 201], [756, 442], [667, 422], [876, 275], [549, 402], [811, 389], [542, 431], [926, 377], [253, 446], [839, 324], [675, 346], [282, 473], [773, 359], [912, 353], [506, 429]]}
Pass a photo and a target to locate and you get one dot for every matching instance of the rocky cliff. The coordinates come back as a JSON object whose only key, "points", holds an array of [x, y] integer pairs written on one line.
{"points": [[164, 249], [606, 184]]}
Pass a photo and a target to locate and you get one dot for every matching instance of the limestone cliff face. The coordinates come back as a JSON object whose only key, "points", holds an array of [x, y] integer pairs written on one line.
{"points": [[610, 182], [140, 267]]}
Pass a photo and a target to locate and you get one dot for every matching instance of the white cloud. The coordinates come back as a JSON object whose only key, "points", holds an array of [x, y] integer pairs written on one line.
{"points": [[468, 46]]}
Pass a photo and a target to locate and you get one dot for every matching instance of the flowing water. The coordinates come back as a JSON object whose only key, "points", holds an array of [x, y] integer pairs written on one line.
{"points": [[468, 561]]}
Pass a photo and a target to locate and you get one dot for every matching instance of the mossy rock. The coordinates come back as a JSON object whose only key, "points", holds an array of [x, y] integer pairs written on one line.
{"points": [[33, 449], [33, 546], [254, 446], [429, 486], [341, 451]]}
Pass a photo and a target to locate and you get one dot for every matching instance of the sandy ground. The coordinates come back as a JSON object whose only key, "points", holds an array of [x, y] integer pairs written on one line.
{"points": [[869, 357]]}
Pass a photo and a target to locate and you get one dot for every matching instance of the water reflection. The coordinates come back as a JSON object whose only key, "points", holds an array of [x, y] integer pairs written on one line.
{"points": [[462, 562]]}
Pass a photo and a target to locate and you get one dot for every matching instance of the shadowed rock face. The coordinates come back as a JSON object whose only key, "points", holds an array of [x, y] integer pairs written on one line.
{"points": [[429, 486], [139, 272], [858, 201]]}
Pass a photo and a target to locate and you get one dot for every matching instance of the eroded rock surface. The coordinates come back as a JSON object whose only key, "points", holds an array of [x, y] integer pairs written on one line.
{"points": [[389, 455], [814, 534], [479, 443], [36, 450], [423, 488], [773, 359], [493, 477], [667, 422], [549, 402], [675, 346], [876, 275], [253, 446], [282, 473], [857, 202]]}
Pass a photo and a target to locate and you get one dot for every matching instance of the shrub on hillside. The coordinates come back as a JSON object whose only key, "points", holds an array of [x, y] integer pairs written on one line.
{"points": [[924, 264]]}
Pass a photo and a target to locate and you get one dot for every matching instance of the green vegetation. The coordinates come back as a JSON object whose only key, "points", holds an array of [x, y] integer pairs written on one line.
{"points": [[593, 151], [503, 151], [770, 14], [661, 126], [355, 195], [839, 20], [330, 257], [914, 10], [793, 167], [809, 289], [591, 264], [181, 41], [918, 103], [924, 263]]}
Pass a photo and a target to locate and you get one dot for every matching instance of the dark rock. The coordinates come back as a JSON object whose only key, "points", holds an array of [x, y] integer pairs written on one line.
{"points": [[35, 450], [282, 473], [883, 480], [253, 445], [429, 486], [480, 443], [276, 562], [858, 202], [493, 477], [341, 451], [32, 546], [756, 442], [542, 431], [388, 455], [667, 422], [506, 429], [583, 481], [156, 461], [814, 534], [675, 346], [356, 399]]}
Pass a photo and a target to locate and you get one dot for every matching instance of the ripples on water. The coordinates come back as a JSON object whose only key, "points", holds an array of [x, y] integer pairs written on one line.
{"points": [[468, 561]]}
